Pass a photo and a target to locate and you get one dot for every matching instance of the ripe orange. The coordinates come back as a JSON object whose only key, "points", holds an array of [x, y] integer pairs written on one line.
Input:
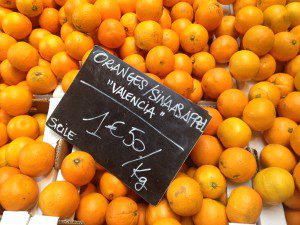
{"points": [[59, 198], [6, 42], [19, 192], [77, 44], [182, 10], [227, 27], [41, 119], [70, 6], [293, 66], [11, 75], [4, 117], [137, 61], [223, 48], [109, 9], [183, 62], [290, 106], [197, 93], [167, 221], [293, 202], [277, 18], [15, 100], [293, 9], [66, 29], [49, 4], [283, 81], [296, 31], [111, 187], [202, 62], [179, 25], [248, 17], [49, 20], [7, 172], [296, 174], [265, 90], [50, 45], [165, 20], [127, 6], [297, 81], [22, 126], [154, 77], [238, 4], [116, 35], [149, 9], [62, 63], [68, 79], [214, 123], [78, 168], [215, 81], [16, 25], [30, 8], [171, 40], [36, 36], [62, 16], [294, 140], [129, 48], [264, 4], [266, 69], [3, 134], [43, 62], [10, 4], [193, 38], [129, 21]]}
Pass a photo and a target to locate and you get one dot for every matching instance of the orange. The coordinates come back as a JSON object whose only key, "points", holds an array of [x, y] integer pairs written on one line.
{"points": [[41, 80], [209, 14], [3, 149], [239, 4], [179, 25], [244, 205], [165, 20], [212, 212], [49, 4], [202, 62], [116, 35], [129, 48], [227, 27], [49, 20], [292, 216], [167, 221], [92, 209], [16, 25], [215, 81], [290, 106], [149, 10], [297, 81], [3, 86], [23, 126], [293, 66], [15, 100], [41, 119], [180, 82], [36, 159], [78, 168], [62, 63], [62, 16], [183, 62], [43, 62], [66, 29], [244, 65], [86, 17], [293, 202], [136, 61], [40, 138], [231, 128], [148, 34], [60, 2], [170, 3], [77, 44], [215, 121], [277, 18], [142, 214], [265, 90], [160, 61], [223, 48], [127, 6], [30, 8], [129, 21], [51, 45], [10, 4], [122, 210], [11, 75], [3, 134], [109, 9], [87, 189], [36, 36], [154, 77], [283, 81], [70, 6], [184, 196], [19, 192], [193, 38], [211, 180], [20, 51], [248, 17], [197, 93], [295, 141], [293, 9], [231, 103], [24, 84], [59, 198], [111, 187], [171, 40], [162, 210], [280, 132], [6, 42], [6, 172], [266, 69], [14, 148], [296, 175], [264, 4], [4, 117], [182, 10], [68, 79]]}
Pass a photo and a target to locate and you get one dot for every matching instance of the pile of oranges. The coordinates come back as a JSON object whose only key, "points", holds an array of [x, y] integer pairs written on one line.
{"points": [[193, 47]]}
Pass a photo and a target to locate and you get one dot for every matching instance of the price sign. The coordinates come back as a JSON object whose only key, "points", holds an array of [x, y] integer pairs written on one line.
{"points": [[136, 128]]}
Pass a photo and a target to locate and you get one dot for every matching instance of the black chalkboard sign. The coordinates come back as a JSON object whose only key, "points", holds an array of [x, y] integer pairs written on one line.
{"points": [[137, 129]]}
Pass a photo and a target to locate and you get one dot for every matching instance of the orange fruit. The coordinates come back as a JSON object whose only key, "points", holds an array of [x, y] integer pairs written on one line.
{"points": [[49, 20], [49, 4], [30, 8], [149, 10], [160, 61], [294, 140], [116, 35], [92, 209], [3, 136], [62, 63], [248, 17], [223, 48], [127, 6], [122, 210], [209, 14], [215, 81], [277, 18], [180, 82], [129, 48], [111, 187], [59, 198], [293, 9], [184, 196], [129, 21], [266, 90], [292, 216], [86, 17], [264, 4], [15, 100], [244, 205], [10, 4], [20, 51], [212, 212], [43, 62], [202, 62], [154, 77], [294, 201], [182, 10], [215, 121], [179, 25], [78, 168], [50, 45], [66, 29], [148, 34], [36, 36], [109, 9], [7, 172], [293, 66], [41, 119], [62, 16], [296, 174], [284, 82], [165, 20], [4, 117], [193, 38], [197, 93], [70, 6], [239, 4], [232, 102], [170, 3], [183, 62], [136, 61], [244, 65], [6, 42], [171, 40], [290, 106], [227, 27], [77, 44], [297, 81], [19, 192], [280, 132], [266, 69], [68, 79], [23, 126], [16, 25], [36, 159], [87, 189], [286, 46], [167, 221], [11, 75], [296, 31], [211, 180]]}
